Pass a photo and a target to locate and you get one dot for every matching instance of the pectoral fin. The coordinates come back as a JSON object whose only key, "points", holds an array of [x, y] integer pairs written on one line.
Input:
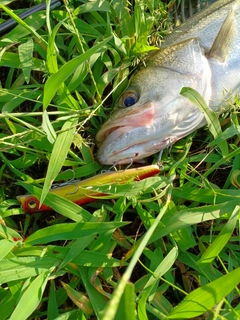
{"points": [[222, 45]]}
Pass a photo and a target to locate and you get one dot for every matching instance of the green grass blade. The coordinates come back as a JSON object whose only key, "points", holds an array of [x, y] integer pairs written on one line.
{"points": [[52, 312], [55, 80], [126, 309], [228, 133], [30, 298], [22, 23], [97, 299], [25, 267], [76, 248], [220, 242], [69, 231], [191, 217], [25, 56], [211, 117], [48, 128], [161, 269], [205, 298], [79, 299], [5, 247], [112, 306], [59, 153]]}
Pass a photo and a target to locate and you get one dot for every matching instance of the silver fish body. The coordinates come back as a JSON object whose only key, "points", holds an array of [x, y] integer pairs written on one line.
{"points": [[150, 115]]}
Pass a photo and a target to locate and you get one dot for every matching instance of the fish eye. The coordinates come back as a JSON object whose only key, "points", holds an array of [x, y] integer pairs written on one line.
{"points": [[32, 204], [129, 98]]}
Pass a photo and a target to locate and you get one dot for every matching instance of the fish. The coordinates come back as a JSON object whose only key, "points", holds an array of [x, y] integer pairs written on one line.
{"points": [[151, 114], [82, 192]]}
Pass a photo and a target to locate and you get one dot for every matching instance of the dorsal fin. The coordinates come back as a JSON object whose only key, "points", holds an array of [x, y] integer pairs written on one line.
{"points": [[222, 45]]}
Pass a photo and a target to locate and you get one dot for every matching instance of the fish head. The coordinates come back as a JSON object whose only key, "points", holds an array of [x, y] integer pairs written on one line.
{"points": [[151, 114]]}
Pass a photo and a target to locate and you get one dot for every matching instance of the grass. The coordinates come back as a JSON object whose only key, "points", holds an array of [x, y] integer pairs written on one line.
{"points": [[168, 247]]}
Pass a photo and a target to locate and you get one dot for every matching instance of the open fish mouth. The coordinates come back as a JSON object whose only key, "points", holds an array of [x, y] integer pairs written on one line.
{"points": [[120, 137], [129, 119], [133, 152]]}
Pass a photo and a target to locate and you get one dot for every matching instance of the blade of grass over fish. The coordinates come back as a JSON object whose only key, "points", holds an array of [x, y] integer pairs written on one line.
{"points": [[211, 118], [59, 153], [205, 298], [23, 23], [61, 205], [113, 304], [55, 80], [220, 242], [31, 297]]}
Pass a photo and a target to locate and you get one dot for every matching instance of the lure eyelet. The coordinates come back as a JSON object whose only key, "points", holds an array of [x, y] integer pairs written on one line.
{"points": [[129, 98]]}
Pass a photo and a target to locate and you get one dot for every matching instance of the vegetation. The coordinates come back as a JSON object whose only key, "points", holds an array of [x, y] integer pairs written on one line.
{"points": [[168, 246]]}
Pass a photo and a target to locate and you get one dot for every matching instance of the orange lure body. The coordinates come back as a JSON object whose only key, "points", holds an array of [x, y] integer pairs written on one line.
{"points": [[80, 192]]}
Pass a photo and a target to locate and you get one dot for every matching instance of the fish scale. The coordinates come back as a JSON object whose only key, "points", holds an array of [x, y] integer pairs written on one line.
{"points": [[204, 54]]}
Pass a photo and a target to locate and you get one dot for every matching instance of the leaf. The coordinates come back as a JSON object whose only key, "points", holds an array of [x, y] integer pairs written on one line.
{"points": [[79, 299], [55, 80], [97, 299], [30, 298], [126, 308], [25, 56], [22, 23], [191, 216], [48, 128], [220, 242], [161, 269], [69, 231], [235, 178], [226, 134], [205, 298], [5, 247], [20, 268], [211, 118], [210, 196], [59, 153], [52, 312]]}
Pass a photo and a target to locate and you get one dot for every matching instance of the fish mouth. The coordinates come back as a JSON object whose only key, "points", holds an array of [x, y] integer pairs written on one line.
{"points": [[125, 120], [115, 138]]}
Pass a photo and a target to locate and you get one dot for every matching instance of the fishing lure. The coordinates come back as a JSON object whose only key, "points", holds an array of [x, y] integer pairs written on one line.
{"points": [[80, 192]]}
